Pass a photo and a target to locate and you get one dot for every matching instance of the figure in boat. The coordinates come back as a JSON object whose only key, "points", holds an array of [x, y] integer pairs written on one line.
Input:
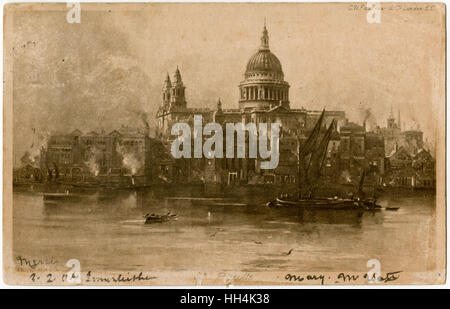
{"points": [[154, 218]]}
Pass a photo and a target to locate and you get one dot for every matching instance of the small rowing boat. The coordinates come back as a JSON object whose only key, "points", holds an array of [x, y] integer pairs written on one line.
{"points": [[154, 218], [392, 208]]}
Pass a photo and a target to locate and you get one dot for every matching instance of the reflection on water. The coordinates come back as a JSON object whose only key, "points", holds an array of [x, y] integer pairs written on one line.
{"points": [[106, 231]]}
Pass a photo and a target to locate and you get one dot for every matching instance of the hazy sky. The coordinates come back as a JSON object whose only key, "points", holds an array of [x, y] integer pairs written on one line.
{"points": [[103, 72]]}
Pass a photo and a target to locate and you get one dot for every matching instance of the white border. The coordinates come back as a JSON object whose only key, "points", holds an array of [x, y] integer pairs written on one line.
{"points": [[4, 286]]}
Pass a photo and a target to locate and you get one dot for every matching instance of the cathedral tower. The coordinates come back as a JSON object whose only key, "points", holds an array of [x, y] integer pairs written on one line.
{"points": [[177, 97]]}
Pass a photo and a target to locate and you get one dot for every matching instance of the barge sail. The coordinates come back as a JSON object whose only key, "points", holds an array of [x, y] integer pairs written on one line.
{"points": [[311, 157]]}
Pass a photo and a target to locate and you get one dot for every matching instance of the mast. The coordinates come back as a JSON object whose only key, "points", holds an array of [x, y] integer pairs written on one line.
{"points": [[361, 183], [305, 153], [309, 145], [321, 152], [319, 156]]}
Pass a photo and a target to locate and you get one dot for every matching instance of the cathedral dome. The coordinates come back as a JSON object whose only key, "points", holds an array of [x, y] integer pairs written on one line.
{"points": [[264, 86], [264, 62]]}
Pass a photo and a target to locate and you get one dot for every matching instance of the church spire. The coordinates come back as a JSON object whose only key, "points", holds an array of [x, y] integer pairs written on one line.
{"points": [[265, 37], [166, 90], [177, 77], [391, 120], [177, 96], [219, 105], [167, 82]]}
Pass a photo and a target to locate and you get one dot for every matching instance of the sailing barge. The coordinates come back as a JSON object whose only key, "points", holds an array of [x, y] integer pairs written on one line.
{"points": [[311, 158]]}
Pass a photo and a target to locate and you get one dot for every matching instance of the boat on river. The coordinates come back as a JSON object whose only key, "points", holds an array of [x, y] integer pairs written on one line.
{"points": [[311, 157], [62, 197], [317, 203], [154, 218], [328, 203], [392, 208]]}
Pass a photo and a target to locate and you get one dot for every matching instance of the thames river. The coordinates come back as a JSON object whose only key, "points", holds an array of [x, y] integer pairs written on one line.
{"points": [[107, 232]]}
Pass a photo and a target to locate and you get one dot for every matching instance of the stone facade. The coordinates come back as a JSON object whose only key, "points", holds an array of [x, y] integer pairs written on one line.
{"points": [[126, 152], [395, 137], [415, 171], [264, 98]]}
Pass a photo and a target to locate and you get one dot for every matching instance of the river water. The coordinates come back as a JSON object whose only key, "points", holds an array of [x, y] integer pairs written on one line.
{"points": [[107, 232]]}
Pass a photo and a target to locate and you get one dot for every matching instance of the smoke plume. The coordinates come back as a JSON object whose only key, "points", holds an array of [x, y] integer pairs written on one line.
{"points": [[93, 161], [143, 116], [39, 142], [131, 159], [368, 118]]}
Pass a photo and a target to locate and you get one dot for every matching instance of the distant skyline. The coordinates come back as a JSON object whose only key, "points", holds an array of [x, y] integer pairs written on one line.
{"points": [[109, 69]]}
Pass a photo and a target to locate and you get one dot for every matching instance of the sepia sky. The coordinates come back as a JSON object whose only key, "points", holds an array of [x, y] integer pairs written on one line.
{"points": [[107, 70]]}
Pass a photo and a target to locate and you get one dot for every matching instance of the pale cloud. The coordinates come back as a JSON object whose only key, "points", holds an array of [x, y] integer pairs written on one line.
{"points": [[100, 72]]}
